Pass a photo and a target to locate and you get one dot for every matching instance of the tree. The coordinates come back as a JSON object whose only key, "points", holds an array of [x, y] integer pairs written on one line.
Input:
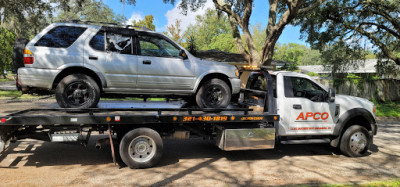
{"points": [[210, 28], [90, 10], [238, 12], [355, 20], [27, 18], [340, 55], [6, 47], [291, 52], [146, 23], [223, 42], [310, 57], [174, 31]]}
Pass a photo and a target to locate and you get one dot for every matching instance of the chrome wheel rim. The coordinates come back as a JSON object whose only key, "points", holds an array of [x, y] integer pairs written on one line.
{"points": [[142, 149], [358, 142]]}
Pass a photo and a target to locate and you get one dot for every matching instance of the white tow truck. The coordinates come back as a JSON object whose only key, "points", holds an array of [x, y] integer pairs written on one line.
{"points": [[273, 107]]}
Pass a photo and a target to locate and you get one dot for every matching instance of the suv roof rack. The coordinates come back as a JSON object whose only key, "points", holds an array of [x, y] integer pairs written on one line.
{"points": [[106, 23]]}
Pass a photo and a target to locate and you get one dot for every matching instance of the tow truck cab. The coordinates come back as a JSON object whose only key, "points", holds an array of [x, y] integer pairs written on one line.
{"points": [[309, 111]]}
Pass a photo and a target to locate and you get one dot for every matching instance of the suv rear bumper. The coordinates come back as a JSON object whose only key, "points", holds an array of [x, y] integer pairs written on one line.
{"points": [[37, 78]]}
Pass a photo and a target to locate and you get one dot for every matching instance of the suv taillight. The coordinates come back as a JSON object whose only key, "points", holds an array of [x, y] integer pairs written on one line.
{"points": [[28, 57]]}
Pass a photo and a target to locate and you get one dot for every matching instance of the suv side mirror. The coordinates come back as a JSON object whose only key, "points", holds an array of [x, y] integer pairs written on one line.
{"points": [[331, 95], [182, 53]]}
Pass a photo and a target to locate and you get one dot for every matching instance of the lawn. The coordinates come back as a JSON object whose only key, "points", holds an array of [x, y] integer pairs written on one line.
{"points": [[393, 182], [388, 109]]}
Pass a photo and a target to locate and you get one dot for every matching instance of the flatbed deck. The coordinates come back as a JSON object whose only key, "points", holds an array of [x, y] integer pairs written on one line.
{"points": [[51, 116]]}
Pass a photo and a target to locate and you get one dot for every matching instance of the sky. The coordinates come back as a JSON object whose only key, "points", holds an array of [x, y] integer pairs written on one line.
{"points": [[166, 14]]}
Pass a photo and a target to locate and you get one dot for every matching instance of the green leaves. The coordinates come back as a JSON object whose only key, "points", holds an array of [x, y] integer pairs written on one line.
{"points": [[6, 47], [146, 23]]}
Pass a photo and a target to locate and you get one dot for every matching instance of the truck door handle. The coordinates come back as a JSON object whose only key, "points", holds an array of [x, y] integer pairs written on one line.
{"points": [[297, 106], [93, 58], [147, 62]]}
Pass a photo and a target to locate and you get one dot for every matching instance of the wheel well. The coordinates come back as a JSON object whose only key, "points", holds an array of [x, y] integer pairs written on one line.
{"points": [[212, 76], [73, 70], [359, 120]]}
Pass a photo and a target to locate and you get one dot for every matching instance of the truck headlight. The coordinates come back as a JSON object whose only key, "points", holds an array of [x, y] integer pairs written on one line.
{"points": [[237, 73], [374, 109]]}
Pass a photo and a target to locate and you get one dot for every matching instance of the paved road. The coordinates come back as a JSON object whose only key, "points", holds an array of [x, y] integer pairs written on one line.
{"points": [[199, 163]]}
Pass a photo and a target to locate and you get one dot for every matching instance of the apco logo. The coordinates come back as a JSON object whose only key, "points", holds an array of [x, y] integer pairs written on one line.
{"points": [[315, 116]]}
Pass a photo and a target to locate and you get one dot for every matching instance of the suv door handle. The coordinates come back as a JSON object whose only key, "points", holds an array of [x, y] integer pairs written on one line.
{"points": [[93, 58], [148, 62], [297, 106]]}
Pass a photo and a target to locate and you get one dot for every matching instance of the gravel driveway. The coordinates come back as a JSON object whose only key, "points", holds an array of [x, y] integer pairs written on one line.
{"points": [[196, 162]]}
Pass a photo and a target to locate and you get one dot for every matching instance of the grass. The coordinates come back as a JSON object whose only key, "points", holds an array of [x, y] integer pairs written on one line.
{"points": [[388, 109], [392, 182]]}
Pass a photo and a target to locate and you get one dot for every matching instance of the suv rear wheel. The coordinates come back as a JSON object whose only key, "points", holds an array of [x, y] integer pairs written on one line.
{"points": [[77, 91], [214, 93]]}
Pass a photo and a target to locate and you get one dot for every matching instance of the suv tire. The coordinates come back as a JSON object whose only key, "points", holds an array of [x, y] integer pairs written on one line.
{"points": [[77, 91], [355, 141], [214, 93]]}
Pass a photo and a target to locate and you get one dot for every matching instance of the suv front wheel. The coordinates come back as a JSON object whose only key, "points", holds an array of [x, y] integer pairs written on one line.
{"points": [[214, 93], [77, 91]]}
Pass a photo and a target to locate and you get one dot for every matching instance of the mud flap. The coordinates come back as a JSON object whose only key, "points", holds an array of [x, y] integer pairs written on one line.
{"points": [[4, 145]]}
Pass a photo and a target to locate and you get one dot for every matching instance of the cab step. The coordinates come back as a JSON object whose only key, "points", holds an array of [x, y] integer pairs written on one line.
{"points": [[308, 141]]}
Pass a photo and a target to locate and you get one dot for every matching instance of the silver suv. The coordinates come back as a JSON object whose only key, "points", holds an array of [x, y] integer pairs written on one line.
{"points": [[81, 61]]}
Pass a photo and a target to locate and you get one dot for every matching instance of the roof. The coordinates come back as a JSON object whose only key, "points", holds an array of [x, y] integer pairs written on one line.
{"points": [[369, 66]]}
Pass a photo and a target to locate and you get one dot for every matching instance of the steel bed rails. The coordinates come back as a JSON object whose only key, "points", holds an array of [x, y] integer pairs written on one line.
{"points": [[108, 116], [159, 110]]}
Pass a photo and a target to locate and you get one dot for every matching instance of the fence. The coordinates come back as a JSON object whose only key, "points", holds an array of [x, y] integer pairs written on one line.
{"points": [[379, 90]]}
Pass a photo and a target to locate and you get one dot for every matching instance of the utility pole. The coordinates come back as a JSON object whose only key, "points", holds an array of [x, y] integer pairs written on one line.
{"points": [[123, 8]]}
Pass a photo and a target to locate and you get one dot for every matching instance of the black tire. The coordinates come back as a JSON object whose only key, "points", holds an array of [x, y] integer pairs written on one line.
{"points": [[214, 93], [18, 53], [355, 141], [141, 148], [77, 91]]}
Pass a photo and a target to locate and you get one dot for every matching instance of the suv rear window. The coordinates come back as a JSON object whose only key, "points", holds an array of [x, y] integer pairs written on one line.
{"points": [[60, 37]]}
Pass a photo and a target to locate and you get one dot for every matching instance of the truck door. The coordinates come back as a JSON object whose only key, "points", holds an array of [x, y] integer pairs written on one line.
{"points": [[309, 111]]}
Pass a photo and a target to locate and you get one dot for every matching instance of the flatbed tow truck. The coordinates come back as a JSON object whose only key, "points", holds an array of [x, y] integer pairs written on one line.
{"points": [[262, 117]]}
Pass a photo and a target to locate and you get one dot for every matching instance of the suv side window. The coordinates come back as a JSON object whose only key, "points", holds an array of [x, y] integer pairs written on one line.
{"points": [[97, 42], [60, 37], [302, 87], [119, 43], [158, 47]]}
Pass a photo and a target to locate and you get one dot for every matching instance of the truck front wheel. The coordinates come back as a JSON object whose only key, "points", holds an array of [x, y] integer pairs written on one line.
{"points": [[141, 148], [355, 141]]}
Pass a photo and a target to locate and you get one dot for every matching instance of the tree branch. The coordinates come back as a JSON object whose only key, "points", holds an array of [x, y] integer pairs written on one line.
{"points": [[397, 35], [382, 46], [309, 8], [220, 5]]}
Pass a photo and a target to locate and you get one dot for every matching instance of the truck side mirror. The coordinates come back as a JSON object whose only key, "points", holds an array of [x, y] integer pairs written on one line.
{"points": [[331, 95], [182, 53]]}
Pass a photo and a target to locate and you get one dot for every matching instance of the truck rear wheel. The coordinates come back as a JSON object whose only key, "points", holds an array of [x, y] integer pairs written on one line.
{"points": [[77, 91], [141, 148], [214, 93], [355, 141]]}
